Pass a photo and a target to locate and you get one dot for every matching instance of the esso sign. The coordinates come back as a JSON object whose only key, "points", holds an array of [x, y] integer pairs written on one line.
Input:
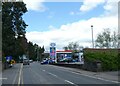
{"points": [[52, 44]]}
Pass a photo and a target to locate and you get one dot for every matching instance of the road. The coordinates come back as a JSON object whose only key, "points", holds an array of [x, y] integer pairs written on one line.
{"points": [[35, 73]]}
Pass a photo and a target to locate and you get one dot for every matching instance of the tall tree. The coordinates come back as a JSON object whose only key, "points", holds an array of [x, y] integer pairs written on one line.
{"points": [[12, 25], [31, 51]]}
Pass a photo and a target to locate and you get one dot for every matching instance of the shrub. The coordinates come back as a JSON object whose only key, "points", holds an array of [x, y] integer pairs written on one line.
{"points": [[108, 57]]}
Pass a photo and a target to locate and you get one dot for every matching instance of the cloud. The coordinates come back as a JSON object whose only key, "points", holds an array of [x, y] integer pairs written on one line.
{"points": [[36, 5], [79, 31], [111, 7], [90, 4]]}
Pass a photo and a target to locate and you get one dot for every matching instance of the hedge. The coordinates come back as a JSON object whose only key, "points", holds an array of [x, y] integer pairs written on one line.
{"points": [[108, 57]]}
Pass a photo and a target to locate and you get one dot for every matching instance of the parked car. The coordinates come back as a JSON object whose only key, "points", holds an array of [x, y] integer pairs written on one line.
{"points": [[66, 60], [51, 61], [26, 62]]}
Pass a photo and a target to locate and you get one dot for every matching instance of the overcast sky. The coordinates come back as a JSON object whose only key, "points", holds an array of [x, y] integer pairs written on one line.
{"points": [[68, 21]]}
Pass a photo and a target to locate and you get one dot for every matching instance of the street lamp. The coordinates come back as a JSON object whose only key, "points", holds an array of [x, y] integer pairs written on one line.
{"points": [[92, 36]]}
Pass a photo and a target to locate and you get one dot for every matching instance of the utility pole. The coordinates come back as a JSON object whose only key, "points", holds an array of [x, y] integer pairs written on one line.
{"points": [[92, 36]]}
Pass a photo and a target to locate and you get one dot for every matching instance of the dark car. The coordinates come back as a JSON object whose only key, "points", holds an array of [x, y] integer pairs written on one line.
{"points": [[26, 62], [44, 62], [51, 61]]}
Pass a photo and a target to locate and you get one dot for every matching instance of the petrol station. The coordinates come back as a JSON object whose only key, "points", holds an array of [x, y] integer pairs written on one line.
{"points": [[58, 55]]}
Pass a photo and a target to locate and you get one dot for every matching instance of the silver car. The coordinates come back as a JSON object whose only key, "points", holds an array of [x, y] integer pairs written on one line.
{"points": [[26, 62]]}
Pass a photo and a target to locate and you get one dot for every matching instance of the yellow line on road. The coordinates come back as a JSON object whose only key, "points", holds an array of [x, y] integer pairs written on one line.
{"points": [[20, 74]]}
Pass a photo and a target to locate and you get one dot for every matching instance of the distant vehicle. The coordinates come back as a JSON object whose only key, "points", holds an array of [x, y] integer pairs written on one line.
{"points": [[51, 61], [45, 61], [21, 61], [26, 62], [30, 61], [66, 60]]}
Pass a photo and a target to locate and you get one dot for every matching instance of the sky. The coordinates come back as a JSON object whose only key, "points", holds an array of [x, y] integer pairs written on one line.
{"points": [[65, 21]]}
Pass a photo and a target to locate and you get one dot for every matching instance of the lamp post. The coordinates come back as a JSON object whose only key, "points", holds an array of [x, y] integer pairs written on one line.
{"points": [[92, 36]]}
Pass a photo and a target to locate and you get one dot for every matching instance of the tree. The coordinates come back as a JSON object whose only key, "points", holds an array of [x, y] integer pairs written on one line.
{"points": [[31, 51], [65, 48], [13, 25], [104, 39], [72, 46], [41, 51], [114, 40], [75, 47]]}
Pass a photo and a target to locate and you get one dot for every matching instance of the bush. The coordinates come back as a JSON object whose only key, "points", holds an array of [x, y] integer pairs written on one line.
{"points": [[108, 58]]}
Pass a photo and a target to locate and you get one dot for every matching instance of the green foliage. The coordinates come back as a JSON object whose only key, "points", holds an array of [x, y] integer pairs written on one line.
{"points": [[14, 42], [72, 46], [105, 39], [13, 25], [108, 58], [35, 51]]}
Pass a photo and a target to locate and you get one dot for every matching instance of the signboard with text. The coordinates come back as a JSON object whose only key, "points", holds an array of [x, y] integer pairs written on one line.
{"points": [[53, 51]]}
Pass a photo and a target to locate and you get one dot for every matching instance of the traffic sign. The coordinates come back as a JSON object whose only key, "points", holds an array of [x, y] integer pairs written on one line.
{"points": [[8, 58]]}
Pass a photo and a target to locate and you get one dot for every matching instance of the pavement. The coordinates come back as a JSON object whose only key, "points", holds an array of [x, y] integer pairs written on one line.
{"points": [[108, 76]]}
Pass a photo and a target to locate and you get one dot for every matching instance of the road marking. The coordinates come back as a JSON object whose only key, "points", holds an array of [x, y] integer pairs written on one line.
{"points": [[43, 70], [22, 79], [3, 78], [15, 77], [96, 77], [20, 75], [67, 69], [70, 82], [74, 72], [52, 74]]}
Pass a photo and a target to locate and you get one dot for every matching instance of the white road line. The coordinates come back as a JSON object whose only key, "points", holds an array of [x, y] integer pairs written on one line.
{"points": [[43, 70], [20, 74], [22, 78], [3, 78], [15, 77], [70, 82], [67, 69], [96, 77], [52, 74]]}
